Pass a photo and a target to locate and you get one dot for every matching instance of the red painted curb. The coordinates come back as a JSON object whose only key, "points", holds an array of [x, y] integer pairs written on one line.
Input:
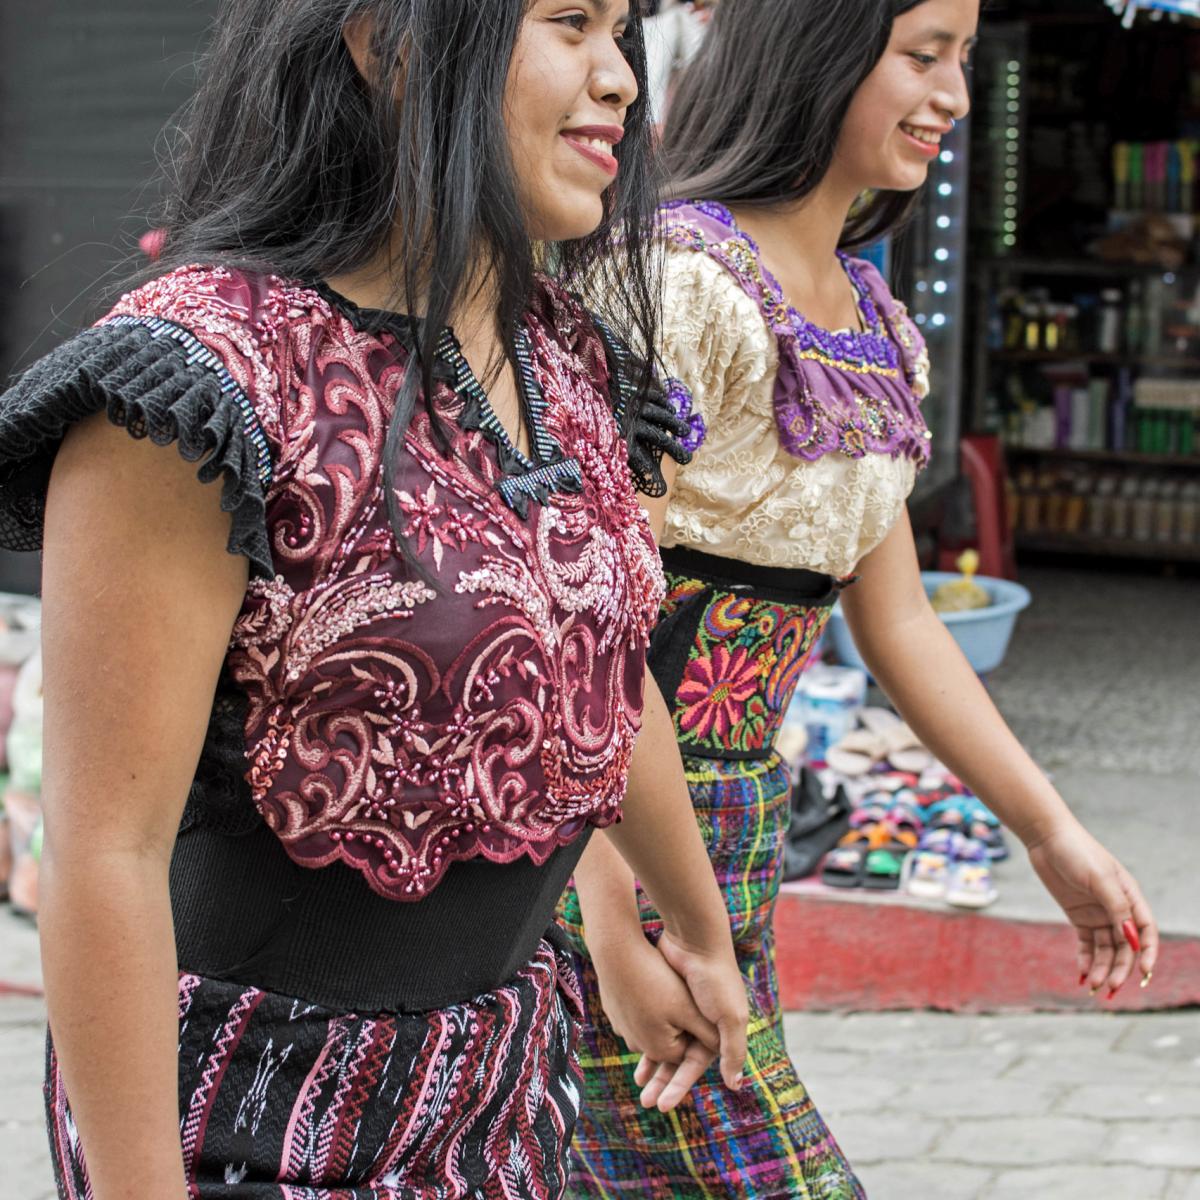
{"points": [[19, 989], [843, 954]]}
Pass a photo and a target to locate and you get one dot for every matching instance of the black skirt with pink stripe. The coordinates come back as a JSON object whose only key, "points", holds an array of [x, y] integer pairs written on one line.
{"points": [[282, 1099]]}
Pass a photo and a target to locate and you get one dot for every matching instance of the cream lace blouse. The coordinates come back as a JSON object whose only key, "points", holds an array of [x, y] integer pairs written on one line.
{"points": [[743, 496]]}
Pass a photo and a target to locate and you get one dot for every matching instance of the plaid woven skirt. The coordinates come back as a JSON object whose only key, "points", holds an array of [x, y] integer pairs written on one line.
{"points": [[283, 1100], [766, 1142]]}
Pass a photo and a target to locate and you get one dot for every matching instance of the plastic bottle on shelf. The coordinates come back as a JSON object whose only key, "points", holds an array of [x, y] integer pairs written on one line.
{"points": [[1166, 511], [1145, 502], [1077, 504], [1187, 524], [1152, 316], [1100, 507], [1134, 313], [1069, 327], [1108, 325], [1121, 520], [1187, 434], [1031, 338]]}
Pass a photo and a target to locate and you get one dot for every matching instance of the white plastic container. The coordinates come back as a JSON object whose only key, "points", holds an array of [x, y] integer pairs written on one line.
{"points": [[827, 704]]}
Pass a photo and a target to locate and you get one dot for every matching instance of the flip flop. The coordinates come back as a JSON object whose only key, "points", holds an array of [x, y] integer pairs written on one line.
{"points": [[905, 751], [857, 753], [970, 886], [883, 868], [844, 866], [925, 874], [927, 868]]}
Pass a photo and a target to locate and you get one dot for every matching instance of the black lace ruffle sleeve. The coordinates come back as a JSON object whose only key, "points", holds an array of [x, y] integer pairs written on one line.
{"points": [[158, 381], [648, 414]]}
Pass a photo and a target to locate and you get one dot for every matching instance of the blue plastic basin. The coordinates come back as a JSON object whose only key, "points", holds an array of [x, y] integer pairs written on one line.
{"points": [[983, 634]]}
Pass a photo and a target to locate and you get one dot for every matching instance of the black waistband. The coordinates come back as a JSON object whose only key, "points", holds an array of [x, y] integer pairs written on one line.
{"points": [[783, 584], [245, 912]]}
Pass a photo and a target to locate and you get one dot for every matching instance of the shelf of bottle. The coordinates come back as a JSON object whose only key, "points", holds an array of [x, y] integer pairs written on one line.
{"points": [[1081, 267], [1107, 547], [1130, 457], [1178, 361]]}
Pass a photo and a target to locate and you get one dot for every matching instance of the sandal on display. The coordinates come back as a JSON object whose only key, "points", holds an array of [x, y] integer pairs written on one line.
{"points": [[927, 868], [905, 751], [857, 753], [970, 886], [883, 867], [881, 721], [844, 866], [992, 837]]}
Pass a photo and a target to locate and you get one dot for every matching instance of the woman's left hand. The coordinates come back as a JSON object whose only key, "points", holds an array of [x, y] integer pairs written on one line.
{"points": [[1112, 920]]}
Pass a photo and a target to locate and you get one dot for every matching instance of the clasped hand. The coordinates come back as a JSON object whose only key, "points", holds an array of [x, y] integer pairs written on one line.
{"points": [[681, 1009]]}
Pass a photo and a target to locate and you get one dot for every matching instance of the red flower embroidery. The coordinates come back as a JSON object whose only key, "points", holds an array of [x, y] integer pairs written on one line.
{"points": [[715, 689]]}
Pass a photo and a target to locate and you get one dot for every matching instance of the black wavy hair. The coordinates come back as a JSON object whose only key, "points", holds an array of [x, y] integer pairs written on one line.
{"points": [[766, 135], [286, 160]]}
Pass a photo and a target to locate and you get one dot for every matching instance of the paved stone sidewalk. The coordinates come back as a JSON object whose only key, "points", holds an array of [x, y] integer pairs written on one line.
{"points": [[1042, 1107], [928, 1106]]}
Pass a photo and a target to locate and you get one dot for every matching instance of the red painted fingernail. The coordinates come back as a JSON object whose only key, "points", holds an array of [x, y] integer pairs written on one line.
{"points": [[1129, 929], [1111, 993], [1082, 978]]}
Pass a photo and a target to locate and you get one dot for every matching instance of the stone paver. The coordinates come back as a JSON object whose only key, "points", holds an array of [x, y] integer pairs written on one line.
{"points": [[1027, 1140], [1077, 1183], [886, 1137], [1173, 1143], [1150, 1101], [1043, 1106], [1184, 1185], [918, 1181], [928, 1106]]}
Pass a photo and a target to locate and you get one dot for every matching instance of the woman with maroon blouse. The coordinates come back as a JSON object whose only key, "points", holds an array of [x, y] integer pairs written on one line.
{"points": [[324, 744]]}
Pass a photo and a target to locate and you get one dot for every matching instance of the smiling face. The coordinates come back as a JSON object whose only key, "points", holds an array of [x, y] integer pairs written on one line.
{"points": [[569, 89], [895, 123]]}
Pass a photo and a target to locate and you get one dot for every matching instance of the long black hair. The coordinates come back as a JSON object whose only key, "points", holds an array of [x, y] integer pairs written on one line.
{"points": [[287, 160], [757, 115]]}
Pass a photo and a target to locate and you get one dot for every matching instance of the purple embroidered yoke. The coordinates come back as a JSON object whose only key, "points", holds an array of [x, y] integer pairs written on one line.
{"points": [[849, 392]]}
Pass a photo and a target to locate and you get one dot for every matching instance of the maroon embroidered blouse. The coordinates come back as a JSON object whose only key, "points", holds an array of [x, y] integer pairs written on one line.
{"points": [[390, 725]]}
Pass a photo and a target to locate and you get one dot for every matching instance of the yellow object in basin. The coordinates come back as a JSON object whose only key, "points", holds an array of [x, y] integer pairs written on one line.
{"points": [[961, 595]]}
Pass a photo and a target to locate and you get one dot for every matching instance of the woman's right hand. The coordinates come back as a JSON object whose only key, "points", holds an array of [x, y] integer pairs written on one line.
{"points": [[680, 1008], [717, 988], [652, 1010]]}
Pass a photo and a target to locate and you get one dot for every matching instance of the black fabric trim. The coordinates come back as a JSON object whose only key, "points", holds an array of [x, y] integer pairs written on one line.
{"points": [[671, 642], [648, 422], [786, 585], [149, 386]]}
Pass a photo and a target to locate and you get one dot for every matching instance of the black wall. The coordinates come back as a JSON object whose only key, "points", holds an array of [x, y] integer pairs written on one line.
{"points": [[86, 88]]}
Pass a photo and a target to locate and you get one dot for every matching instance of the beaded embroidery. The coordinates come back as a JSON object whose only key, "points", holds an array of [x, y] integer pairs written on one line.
{"points": [[396, 727], [680, 399], [822, 404]]}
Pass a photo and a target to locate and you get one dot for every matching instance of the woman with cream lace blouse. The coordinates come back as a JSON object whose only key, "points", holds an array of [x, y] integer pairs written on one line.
{"points": [[801, 378]]}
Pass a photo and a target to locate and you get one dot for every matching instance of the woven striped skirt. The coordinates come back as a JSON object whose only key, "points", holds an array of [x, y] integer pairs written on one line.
{"points": [[765, 1142], [283, 1100], [730, 645]]}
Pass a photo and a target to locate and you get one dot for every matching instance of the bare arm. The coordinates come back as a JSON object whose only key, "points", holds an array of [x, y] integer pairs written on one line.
{"points": [[917, 662], [140, 595], [682, 1002]]}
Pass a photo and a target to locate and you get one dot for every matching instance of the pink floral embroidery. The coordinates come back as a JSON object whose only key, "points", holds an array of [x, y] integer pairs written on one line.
{"points": [[399, 727], [714, 690]]}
